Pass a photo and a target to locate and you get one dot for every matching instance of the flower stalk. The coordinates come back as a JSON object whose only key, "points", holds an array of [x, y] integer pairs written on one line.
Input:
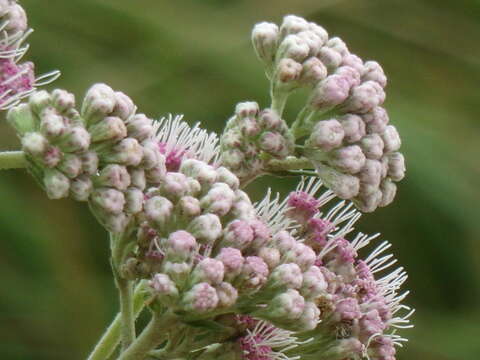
{"points": [[12, 160]]}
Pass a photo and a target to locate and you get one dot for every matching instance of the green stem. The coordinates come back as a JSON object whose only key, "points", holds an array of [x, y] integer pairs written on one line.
{"points": [[290, 163], [111, 338], [12, 160], [151, 336]]}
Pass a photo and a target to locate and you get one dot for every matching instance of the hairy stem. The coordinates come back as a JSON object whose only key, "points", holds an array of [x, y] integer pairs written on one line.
{"points": [[111, 338], [151, 336], [290, 163], [12, 160]]}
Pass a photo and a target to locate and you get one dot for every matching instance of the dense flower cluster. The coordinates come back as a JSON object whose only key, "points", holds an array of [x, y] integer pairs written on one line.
{"points": [[251, 137], [343, 125], [17, 80]]}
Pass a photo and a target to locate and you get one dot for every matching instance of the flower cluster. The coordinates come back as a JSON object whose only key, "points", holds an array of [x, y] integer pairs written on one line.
{"points": [[16, 80], [343, 124], [251, 137]]}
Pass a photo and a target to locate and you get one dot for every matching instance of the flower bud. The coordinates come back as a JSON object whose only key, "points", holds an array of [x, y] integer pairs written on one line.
{"points": [[371, 173], [313, 71], [271, 256], [343, 185], [314, 283], [51, 124], [140, 127], [350, 74], [157, 174], [254, 273], [226, 176], [388, 189], [218, 200], [34, 143], [99, 102], [89, 162], [349, 159], [238, 234], [376, 120], [81, 188], [288, 70], [293, 47], [189, 206], [286, 306], [396, 166], [110, 128], [158, 210], [391, 138], [264, 38], [16, 19], [292, 25], [337, 44], [134, 199], [151, 154], [331, 91], [302, 255], [74, 139], [372, 146], [56, 184], [127, 152], [364, 98], [368, 201], [208, 270], [71, 165], [310, 317], [174, 185], [138, 179], [201, 298], [180, 246], [39, 100], [284, 241], [63, 100], [327, 135], [165, 288], [286, 276], [124, 106], [374, 72], [232, 260], [110, 200], [115, 176], [227, 295], [274, 144], [178, 272], [198, 170], [353, 127], [206, 228], [330, 58]]}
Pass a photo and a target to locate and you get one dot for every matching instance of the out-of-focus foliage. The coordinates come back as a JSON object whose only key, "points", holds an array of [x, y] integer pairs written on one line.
{"points": [[194, 57]]}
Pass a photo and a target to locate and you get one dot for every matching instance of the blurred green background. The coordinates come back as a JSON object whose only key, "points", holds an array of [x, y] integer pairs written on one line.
{"points": [[194, 57]]}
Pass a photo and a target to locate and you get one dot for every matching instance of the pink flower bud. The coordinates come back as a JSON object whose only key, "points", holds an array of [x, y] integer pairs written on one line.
{"points": [[374, 72], [350, 74], [327, 135], [208, 270], [232, 260], [376, 120], [164, 287], [314, 283], [355, 62], [109, 200], [238, 234], [349, 159], [288, 70], [17, 19], [364, 98], [271, 256], [254, 273], [371, 172], [331, 91], [372, 146], [368, 201], [313, 71], [391, 138], [63, 100], [201, 298], [313, 41], [81, 188], [330, 58], [302, 255], [353, 127], [180, 245], [156, 174], [75, 139], [274, 144], [284, 241], [56, 184], [270, 120], [51, 124]]}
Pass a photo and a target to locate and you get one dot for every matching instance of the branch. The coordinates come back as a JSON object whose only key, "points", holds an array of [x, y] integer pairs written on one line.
{"points": [[12, 160]]}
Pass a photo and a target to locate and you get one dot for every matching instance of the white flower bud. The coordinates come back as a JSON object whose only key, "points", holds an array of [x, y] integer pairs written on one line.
{"points": [[134, 199], [327, 135], [364, 98], [127, 152], [368, 202], [388, 189], [253, 275], [247, 109], [206, 228], [63, 100], [286, 276], [337, 44], [164, 287], [372, 146], [198, 170], [292, 25], [313, 71], [288, 305], [349, 159], [180, 246], [39, 100], [233, 158], [201, 298], [264, 39], [16, 19], [271, 256], [309, 318], [189, 206], [232, 260], [99, 102], [56, 184], [178, 272], [208, 270], [81, 188], [396, 166], [283, 241], [115, 176], [70, 165], [226, 176], [293, 47], [110, 128], [218, 200], [353, 127], [124, 106], [319, 31], [288, 70], [75, 139], [227, 295], [34, 143], [343, 185], [138, 179], [391, 138], [374, 72], [371, 173], [109, 200], [174, 185], [158, 210], [157, 174], [151, 154], [140, 127], [314, 283], [51, 124], [89, 162]]}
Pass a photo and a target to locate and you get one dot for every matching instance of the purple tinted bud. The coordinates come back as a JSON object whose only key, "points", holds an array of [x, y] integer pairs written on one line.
{"points": [[331, 91], [39, 100], [374, 72], [151, 154], [271, 256], [288, 70], [355, 62], [232, 260], [247, 109], [319, 31], [314, 283], [164, 287], [284, 241], [350, 74], [127, 152], [313, 41], [157, 174], [238, 234], [200, 298], [364, 98], [189, 206], [51, 124], [349, 159], [330, 58], [178, 272], [208, 270], [327, 135], [81, 188], [388, 189], [376, 120], [261, 233], [254, 273], [71, 165], [396, 166], [180, 245], [369, 200], [63, 100], [353, 127], [313, 71], [391, 139], [174, 185], [75, 139], [303, 206], [89, 162], [371, 173], [274, 144], [302, 255], [372, 146]]}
